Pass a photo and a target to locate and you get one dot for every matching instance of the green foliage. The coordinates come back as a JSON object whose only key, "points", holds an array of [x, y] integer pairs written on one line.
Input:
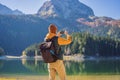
{"points": [[89, 45], [92, 45], [1, 51], [32, 50]]}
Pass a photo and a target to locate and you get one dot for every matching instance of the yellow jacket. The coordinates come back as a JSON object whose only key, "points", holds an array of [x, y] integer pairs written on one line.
{"points": [[61, 41]]}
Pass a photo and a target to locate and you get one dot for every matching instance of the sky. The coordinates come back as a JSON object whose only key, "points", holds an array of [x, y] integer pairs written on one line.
{"points": [[109, 8]]}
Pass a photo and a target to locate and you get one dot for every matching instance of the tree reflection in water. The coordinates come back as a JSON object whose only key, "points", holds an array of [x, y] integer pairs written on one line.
{"points": [[1, 64], [77, 67], [35, 65]]}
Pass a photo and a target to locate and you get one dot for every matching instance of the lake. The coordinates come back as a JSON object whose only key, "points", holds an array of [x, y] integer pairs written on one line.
{"points": [[36, 69]]}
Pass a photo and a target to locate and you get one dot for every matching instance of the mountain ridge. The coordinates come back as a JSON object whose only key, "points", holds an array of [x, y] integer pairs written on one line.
{"points": [[4, 10]]}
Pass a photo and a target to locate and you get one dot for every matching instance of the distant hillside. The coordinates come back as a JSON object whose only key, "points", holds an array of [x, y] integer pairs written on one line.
{"points": [[18, 32], [102, 26], [4, 10]]}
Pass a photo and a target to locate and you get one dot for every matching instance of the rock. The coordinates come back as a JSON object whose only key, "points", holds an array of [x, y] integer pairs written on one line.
{"points": [[65, 9]]}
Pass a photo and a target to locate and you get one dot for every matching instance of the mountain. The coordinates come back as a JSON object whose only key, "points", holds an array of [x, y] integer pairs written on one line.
{"points": [[4, 10], [67, 9], [99, 21], [20, 31], [64, 13], [17, 12], [76, 16]]}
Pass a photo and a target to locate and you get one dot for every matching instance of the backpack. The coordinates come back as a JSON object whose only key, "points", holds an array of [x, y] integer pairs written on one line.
{"points": [[48, 50]]}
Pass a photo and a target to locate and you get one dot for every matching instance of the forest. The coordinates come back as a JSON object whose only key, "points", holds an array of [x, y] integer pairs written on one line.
{"points": [[2, 51], [85, 44]]}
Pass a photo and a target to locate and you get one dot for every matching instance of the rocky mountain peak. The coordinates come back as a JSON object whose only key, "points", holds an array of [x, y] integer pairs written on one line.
{"points": [[65, 9]]}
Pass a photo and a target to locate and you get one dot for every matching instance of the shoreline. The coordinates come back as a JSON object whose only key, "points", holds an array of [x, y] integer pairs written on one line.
{"points": [[72, 77], [65, 57]]}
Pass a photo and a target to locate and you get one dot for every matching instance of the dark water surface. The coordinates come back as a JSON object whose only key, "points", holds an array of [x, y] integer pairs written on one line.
{"points": [[81, 67]]}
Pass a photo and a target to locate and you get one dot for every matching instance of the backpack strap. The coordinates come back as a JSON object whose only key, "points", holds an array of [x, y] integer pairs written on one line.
{"points": [[56, 45], [47, 40]]}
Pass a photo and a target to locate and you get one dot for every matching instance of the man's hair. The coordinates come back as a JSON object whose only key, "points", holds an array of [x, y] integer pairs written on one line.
{"points": [[52, 28]]}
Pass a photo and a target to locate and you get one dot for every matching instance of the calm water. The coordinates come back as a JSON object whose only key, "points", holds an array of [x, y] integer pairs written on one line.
{"points": [[81, 67]]}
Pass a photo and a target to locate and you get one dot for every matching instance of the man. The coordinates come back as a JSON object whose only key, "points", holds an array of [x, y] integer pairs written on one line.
{"points": [[57, 66]]}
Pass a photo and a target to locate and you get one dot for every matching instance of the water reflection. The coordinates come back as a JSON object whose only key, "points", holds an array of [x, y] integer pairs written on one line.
{"points": [[78, 67], [109, 66], [1, 64], [37, 66], [74, 68]]}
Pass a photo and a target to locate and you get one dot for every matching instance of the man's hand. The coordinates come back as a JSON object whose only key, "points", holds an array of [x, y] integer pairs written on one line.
{"points": [[66, 33], [58, 34]]}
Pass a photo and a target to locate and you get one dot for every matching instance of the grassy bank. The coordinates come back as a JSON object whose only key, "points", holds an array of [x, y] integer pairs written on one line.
{"points": [[79, 77]]}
